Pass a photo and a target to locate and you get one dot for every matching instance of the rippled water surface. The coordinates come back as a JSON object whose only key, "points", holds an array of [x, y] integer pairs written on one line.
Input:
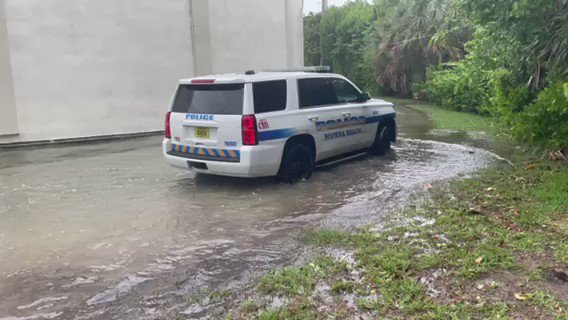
{"points": [[108, 230]]}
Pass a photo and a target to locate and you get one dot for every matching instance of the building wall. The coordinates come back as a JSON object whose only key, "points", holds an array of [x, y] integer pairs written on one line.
{"points": [[98, 67], [87, 68], [295, 33], [243, 41], [8, 114], [240, 35]]}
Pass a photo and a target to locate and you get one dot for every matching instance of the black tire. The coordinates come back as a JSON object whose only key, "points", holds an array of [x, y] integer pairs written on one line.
{"points": [[297, 163], [382, 143]]}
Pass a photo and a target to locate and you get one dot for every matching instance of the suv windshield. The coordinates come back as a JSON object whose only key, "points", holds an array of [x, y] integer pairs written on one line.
{"points": [[209, 99]]}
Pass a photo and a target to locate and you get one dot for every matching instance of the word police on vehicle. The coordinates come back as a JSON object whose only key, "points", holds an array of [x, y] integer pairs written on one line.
{"points": [[193, 116], [274, 123]]}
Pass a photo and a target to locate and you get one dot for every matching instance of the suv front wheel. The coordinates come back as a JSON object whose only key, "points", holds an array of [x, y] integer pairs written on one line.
{"points": [[297, 163]]}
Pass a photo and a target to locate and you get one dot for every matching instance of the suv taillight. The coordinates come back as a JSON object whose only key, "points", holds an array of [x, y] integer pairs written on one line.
{"points": [[168, 130], [249, 130]]}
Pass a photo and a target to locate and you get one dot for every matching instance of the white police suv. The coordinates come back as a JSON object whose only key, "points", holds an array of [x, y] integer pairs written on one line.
{"points": [[272, 123]]}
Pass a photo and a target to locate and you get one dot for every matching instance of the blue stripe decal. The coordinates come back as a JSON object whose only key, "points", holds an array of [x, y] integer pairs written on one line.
{"points": [[374, 119], [216, 152], [275, 134], [206, 152], [238, 153], [226, 153]]}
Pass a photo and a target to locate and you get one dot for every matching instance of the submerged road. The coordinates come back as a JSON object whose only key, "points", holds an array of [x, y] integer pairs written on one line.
{"points": [[108, 230]]}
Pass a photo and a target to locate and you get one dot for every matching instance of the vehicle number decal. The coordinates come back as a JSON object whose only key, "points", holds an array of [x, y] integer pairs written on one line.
{"points": [[263, 124]]}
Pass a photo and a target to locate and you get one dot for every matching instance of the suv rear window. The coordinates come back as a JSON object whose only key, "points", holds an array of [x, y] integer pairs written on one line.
{"points": [[269, 96], [210, 99]]}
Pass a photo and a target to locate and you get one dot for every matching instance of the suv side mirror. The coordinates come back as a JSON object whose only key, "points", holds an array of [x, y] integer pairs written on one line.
{"points": [[365, 96]]}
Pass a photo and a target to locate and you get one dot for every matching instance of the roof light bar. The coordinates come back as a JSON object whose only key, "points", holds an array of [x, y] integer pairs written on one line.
{"points": [[315, 69]]}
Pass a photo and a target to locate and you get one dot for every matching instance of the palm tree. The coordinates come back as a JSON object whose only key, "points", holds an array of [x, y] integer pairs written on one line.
{"points": [[415, 35]]}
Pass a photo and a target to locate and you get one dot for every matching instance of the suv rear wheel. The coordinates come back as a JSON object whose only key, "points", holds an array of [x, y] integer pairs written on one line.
{"points": [[297, 163], [382, 142]]}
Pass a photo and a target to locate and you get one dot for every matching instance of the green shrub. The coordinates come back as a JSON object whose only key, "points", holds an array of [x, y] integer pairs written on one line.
{"points": [[506, 98], [483, 81], [462, 86], [545, 122]]}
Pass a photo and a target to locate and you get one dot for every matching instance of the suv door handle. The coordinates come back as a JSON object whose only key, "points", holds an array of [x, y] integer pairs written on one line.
{"points": [[346, 114], [313, 118]]}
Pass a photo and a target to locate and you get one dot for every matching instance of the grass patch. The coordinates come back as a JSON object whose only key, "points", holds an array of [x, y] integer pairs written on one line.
{"points": [[450, 120], [507, 222], [457, 121], [327, 237], [489, 224], [553, 306], [249, 306], [301, 308], [292, 281], [344, 286]]}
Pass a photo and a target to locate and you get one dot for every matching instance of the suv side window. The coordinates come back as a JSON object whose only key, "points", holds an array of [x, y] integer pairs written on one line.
{"points": [[344, 91], [314, 92], [269, 96]]}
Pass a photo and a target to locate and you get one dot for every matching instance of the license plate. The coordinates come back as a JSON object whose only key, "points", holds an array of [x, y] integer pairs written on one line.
{"points": [[202, 133]]}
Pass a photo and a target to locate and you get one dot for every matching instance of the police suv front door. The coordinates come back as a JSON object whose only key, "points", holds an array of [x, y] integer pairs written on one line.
{"points": [[352, 129], [328, 117]]}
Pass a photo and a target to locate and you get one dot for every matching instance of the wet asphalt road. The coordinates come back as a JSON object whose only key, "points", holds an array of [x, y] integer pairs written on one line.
{"points": [[108, 230]]}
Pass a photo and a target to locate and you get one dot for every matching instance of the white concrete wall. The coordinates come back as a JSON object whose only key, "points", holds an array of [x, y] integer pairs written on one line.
{"points": [[87, 68], [98, 67], [8, 114], [255, 34], [201, 37], [295, 33]]}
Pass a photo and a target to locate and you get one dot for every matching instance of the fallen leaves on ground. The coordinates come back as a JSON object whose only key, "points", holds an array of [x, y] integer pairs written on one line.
{"points": [[520, 296]]}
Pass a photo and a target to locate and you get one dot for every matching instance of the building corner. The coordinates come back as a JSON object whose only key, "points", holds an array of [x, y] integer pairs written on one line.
{"points": [[8, 111]]}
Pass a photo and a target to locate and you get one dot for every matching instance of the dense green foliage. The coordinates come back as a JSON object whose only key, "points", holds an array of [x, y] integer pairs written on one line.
{"points": [[386, 46], [338, 39], [536, 31], [413, 35], [546, 120], [505, 59], [519, 49]]}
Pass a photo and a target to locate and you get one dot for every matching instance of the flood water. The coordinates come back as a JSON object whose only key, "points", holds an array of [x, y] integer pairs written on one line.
{"points": [[108, 230]]}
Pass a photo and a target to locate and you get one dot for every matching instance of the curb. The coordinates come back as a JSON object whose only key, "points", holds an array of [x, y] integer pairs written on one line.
{"points": [[76, 141]]}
